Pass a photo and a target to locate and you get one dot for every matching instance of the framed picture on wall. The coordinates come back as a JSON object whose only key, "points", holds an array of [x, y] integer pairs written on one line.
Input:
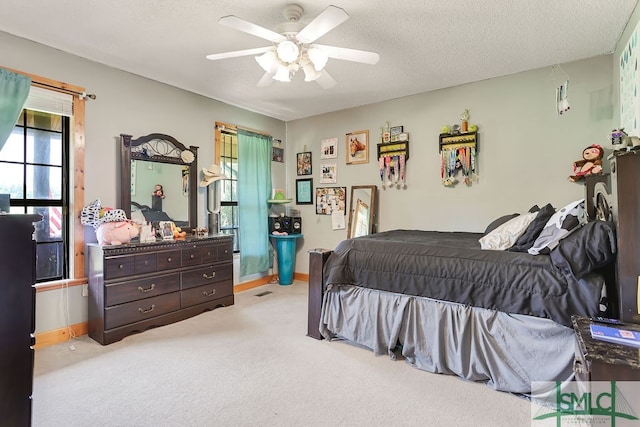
{"points": [[330, 199], [357, 147], [277, 154], [329, 148], [304, 191], [328, 173], [303, 162]]}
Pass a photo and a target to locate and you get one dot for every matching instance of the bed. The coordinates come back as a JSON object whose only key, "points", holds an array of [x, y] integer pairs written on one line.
{"points": [[445, 305]]}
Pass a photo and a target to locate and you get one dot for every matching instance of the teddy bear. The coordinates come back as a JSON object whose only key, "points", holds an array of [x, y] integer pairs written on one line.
{"points": [[591, 163]]}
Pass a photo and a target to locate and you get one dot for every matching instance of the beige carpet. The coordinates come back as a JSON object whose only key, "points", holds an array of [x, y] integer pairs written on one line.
{"points": [[252, 365]]}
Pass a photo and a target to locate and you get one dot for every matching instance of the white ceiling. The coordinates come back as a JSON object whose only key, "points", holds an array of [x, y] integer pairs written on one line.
{"points": [[423, 44]]}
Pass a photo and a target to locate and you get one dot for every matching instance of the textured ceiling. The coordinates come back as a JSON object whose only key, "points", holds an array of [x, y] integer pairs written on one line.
{"points": [[423, 44]]}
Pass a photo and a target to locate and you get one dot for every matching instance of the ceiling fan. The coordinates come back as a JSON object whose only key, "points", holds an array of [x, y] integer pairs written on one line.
{"points": [[293, 46]]}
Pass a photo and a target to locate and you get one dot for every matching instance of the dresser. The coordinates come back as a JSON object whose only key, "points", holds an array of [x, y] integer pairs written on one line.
{"points": [[17, 317], [137, 286]]}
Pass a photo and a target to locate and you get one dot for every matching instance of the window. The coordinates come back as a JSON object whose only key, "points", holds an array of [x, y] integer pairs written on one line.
{"points": [[35, 165], [227, 153]]}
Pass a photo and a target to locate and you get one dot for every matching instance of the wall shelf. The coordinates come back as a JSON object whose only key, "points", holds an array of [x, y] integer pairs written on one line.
{"points": [[391, 149], [452, 141]]}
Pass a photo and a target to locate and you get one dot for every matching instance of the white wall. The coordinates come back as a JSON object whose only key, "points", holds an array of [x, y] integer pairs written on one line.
{"points": [[525, 153]]}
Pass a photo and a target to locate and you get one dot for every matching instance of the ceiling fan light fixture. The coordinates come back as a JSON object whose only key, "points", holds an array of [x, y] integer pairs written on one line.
{"points": [[318, 57], [268, 61], [288, 51], [282, 74], [310, 73]]}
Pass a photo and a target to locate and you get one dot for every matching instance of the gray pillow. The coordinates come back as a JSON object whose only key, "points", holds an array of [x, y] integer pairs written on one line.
{"points": [[589, 248], [529, 237], [498, 222]]}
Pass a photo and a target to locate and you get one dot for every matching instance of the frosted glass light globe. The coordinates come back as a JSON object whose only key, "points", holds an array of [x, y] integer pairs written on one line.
{"points": [[288, 51]]}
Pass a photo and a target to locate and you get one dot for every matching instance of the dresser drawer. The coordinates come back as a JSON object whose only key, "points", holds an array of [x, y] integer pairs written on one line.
{"points": [[118, 293], [168, 260], [209, 253], [120, 266], [146, 263], [204, 275], [225, 251], [128, 265], [201, 294], [191, 256], [144, 309]]}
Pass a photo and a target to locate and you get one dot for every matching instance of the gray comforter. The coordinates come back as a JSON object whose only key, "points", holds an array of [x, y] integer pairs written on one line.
{"points": [[451, 266]]}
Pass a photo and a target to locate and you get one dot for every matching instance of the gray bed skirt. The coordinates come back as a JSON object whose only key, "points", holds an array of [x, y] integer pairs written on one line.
{"points": [[506, 351]]}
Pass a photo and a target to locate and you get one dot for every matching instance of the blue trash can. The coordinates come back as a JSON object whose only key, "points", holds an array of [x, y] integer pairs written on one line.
{"points": [[286, 252]]}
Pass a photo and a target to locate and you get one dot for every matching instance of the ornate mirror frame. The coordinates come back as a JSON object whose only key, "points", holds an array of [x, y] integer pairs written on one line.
{"points": [[161, 148], [362, 210]]}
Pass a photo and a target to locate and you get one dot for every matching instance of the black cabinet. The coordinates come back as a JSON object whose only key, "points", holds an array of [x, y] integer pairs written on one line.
{"points": [[17, 317], [625, 189]]}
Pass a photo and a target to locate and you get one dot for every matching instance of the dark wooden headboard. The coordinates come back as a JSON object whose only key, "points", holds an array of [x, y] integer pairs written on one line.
{"points": [[616, 197]]}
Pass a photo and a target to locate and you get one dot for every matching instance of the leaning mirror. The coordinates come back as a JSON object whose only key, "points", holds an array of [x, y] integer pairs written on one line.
{"points": [[362, 210], [159, 180]]}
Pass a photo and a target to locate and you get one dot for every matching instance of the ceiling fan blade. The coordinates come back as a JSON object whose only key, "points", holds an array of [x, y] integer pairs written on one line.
{"points": [[350, 54], [265, 80], [236, 53], [250, 28], [325, 80], [330, 18]]}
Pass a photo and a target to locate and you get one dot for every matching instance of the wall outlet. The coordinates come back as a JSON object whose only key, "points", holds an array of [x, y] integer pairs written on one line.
{"points": [[85, 290]]}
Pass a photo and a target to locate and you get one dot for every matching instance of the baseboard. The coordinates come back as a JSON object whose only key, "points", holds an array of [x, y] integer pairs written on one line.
{"points": [[301, 276], [45, 339], [57, 336], [245, 286]]}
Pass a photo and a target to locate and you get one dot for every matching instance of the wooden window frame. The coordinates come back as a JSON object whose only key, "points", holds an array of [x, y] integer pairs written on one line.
{"points": [[76, 273]]}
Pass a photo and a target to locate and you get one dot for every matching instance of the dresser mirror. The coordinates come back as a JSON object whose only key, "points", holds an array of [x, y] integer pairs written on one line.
{"points": [[159, 180], [362, 211]]}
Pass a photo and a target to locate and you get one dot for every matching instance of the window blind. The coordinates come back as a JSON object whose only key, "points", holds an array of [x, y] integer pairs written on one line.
{"points": [[49, 101]]}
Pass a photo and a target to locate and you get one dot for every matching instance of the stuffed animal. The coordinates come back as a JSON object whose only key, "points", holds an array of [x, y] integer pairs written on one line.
{"points": [[116, 233], [591, 163], [111, 225], [178, 234]]}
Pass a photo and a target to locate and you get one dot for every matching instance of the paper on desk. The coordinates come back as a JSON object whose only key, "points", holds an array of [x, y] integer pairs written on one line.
{"points": [[337, 220]]}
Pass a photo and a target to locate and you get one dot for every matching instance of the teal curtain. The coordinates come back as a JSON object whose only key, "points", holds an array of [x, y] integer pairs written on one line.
{"points": [[254, 189], [14, 90]]}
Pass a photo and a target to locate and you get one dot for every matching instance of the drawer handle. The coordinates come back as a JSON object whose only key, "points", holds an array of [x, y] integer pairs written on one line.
{"points": [[208, 294], [209, 253], [143, 311], [146, 263], [213, 275], [169, 259], [192, 256], [150, 288], [121, 266]]}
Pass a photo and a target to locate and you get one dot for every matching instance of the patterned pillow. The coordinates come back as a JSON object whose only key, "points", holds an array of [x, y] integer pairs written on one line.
{"points": [[526, 241], [505, 235], [560, 225]]}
